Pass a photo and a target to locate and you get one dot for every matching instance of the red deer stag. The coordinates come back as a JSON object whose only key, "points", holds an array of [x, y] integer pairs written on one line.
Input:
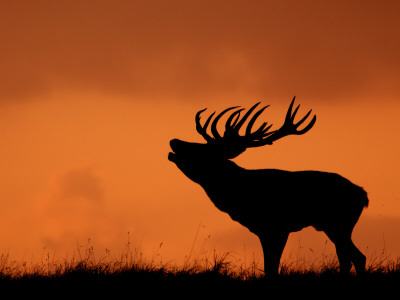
{"points": [[272, 203]]}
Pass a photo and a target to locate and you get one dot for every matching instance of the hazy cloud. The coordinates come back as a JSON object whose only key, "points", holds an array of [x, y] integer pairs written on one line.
{"points": [[180, 48], [81, 184], [73, 209]]}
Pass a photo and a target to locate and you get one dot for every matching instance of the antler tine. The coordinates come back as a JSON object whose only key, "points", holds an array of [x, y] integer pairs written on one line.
{"points": [[261, 132], [288, 127], [203, 129], [214, 123], [289, 115], [229, 127], [253, 120], [309, 126], [233, 129], [289, 124], [241, 122], [229, 121]]}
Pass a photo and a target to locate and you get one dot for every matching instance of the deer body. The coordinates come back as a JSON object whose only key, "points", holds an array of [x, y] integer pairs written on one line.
{"points": [[273, 203], [294, 199]]}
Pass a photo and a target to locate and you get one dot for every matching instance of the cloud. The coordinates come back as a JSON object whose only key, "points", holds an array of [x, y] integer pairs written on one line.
{"points": [[73, 209], [205, 48], [81, 184]]}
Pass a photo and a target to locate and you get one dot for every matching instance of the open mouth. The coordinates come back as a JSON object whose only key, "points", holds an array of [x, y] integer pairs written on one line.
{"points": [[171, 156]]}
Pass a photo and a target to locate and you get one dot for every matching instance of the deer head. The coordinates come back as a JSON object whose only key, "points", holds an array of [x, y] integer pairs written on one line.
{"points": [[194, 158]]}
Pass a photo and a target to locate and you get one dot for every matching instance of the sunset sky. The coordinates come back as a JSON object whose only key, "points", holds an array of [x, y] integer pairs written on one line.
{"points": [[92, 92]]}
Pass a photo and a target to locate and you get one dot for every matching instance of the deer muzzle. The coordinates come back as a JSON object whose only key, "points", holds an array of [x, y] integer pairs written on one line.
{"points": [[174, 145]]}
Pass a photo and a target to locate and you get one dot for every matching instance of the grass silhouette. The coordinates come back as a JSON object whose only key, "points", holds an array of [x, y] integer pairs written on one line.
{"points": [[132, 266], [199, 276]]}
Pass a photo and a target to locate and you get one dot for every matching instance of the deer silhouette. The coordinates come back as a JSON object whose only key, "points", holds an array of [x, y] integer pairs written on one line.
{"points": [[272, 203]]}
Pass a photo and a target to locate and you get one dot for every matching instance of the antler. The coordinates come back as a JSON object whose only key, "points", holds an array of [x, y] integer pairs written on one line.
{"points": [[234, 143], [288, 127]]}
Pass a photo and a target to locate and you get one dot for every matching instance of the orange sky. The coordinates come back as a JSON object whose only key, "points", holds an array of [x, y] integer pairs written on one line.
{"points": [[92, 92]]}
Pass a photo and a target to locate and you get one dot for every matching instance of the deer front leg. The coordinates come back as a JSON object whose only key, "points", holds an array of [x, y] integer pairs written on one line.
{"points": [[272, 245]]}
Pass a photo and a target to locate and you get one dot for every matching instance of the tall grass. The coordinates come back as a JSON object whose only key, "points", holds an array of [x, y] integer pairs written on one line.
{"points": [[84, 264]]}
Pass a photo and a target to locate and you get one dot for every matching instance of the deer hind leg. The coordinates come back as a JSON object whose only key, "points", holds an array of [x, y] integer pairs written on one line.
{"points": [[344, 249], [358, 259], [347, 252], [273, 245]]}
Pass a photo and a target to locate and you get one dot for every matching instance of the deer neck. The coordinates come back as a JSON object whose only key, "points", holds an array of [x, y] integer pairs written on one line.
{"points": [[219, 183], [219, 172]]}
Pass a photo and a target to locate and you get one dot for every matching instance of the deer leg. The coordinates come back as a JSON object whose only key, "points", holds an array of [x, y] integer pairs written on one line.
{"points": [[358, 259], [344, 249], [272, 245]]}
